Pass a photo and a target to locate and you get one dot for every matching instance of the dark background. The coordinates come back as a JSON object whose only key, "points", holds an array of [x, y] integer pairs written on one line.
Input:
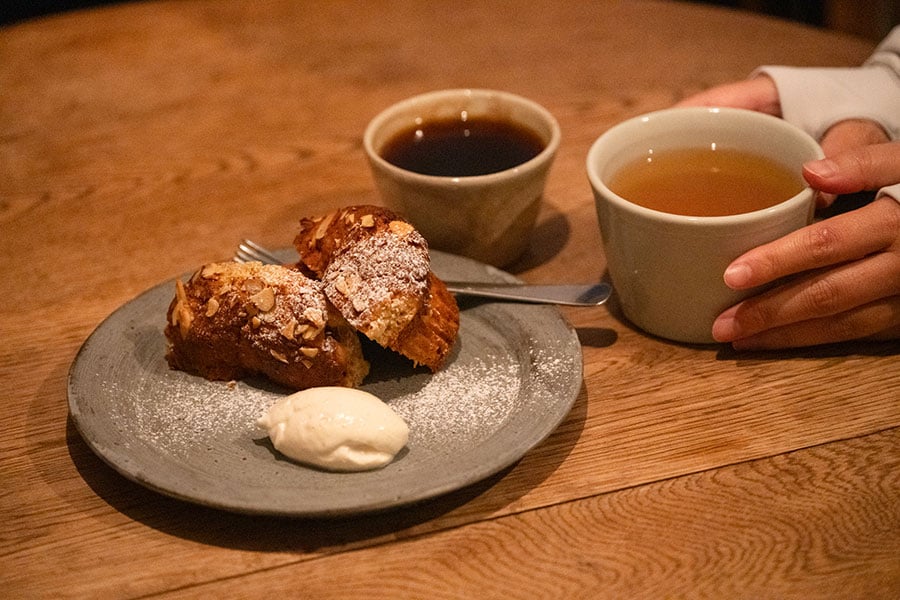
{"points": [[871, 19], [12, 11], [867, 18]]}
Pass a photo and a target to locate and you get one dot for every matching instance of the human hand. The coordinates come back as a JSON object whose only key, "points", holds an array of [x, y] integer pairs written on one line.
{"points": [[758, 93], [844, 272], [843, 136]]}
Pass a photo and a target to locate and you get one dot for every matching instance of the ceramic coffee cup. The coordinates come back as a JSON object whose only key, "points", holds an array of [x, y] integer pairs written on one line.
{"points": [[481, 209], [667, 268]]}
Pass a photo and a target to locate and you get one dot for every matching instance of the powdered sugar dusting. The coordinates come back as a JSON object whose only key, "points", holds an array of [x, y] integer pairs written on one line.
{"points": [[463, 404], [192, 414], [375, 271]]}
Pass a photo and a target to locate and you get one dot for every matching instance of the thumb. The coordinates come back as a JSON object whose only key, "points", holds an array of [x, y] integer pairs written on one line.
{"points": [[858, 169]]}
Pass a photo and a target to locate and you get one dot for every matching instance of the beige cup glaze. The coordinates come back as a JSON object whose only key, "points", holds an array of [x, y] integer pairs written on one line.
{"points": [[486, 217], [668, 269]]}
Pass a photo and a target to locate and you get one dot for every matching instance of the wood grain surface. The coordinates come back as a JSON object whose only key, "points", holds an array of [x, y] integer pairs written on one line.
{"points": [[138, 141]]}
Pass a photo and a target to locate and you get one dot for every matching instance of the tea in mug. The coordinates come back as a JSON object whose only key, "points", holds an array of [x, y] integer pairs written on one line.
{"points": [[462, 148], [705, 182]]}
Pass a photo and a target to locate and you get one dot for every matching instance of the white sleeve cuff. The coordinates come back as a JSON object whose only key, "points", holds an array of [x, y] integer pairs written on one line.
{"points": [[891, 191], [814, 99]]}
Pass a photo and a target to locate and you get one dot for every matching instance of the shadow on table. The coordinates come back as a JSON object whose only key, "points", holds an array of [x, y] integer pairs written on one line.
{"points": [[547, 240], [824, 351], [264, 533], [724, 352]]}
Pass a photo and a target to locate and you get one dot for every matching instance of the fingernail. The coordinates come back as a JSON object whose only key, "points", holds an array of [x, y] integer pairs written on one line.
{"points": [[824, 168], [824, 200], [724, 328], [737, 275]]}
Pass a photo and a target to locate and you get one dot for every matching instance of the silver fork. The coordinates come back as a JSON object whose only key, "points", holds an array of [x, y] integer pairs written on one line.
{"points": [[591, 294]]}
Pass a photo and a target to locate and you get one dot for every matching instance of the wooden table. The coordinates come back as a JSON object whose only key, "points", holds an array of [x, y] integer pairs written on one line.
{"points": [[139, 141]]}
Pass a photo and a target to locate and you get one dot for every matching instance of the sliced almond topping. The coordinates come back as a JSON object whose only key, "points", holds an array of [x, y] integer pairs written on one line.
{"points": [[255, 322], [180, 299], [307, 331], [211, 270], [309, 352], [323, 226], [264, 300], [315, 316], [289, 329], [278, 356], [340, 284], [185, 319], [400, 228], [179, 291], [212, 307], [367, 221], [253, 285], [181, 314]]}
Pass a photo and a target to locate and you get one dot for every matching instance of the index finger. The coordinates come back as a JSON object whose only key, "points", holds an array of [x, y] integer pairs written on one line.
{"points": [[758, 93], [839, 239]]}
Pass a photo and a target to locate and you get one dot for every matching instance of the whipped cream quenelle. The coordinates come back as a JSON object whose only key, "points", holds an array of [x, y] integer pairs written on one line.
{"points": [[336, 428]]}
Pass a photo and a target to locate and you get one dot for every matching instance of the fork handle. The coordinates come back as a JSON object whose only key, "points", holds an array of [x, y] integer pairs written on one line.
{"points": [[592, 294]]}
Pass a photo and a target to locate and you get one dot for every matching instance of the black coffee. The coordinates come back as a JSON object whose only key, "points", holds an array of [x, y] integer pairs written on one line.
{"points": [[458, 148]]}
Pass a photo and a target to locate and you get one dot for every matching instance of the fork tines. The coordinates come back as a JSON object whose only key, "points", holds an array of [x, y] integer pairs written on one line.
{"points": [[250, 251]]}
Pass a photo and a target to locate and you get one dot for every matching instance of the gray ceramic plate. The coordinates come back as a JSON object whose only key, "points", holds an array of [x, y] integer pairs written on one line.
{"points": [[514, 375]]}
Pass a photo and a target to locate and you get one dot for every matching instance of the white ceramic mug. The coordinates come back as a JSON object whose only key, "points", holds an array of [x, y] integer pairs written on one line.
{"points": [[668, 269], [486, 217]]}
